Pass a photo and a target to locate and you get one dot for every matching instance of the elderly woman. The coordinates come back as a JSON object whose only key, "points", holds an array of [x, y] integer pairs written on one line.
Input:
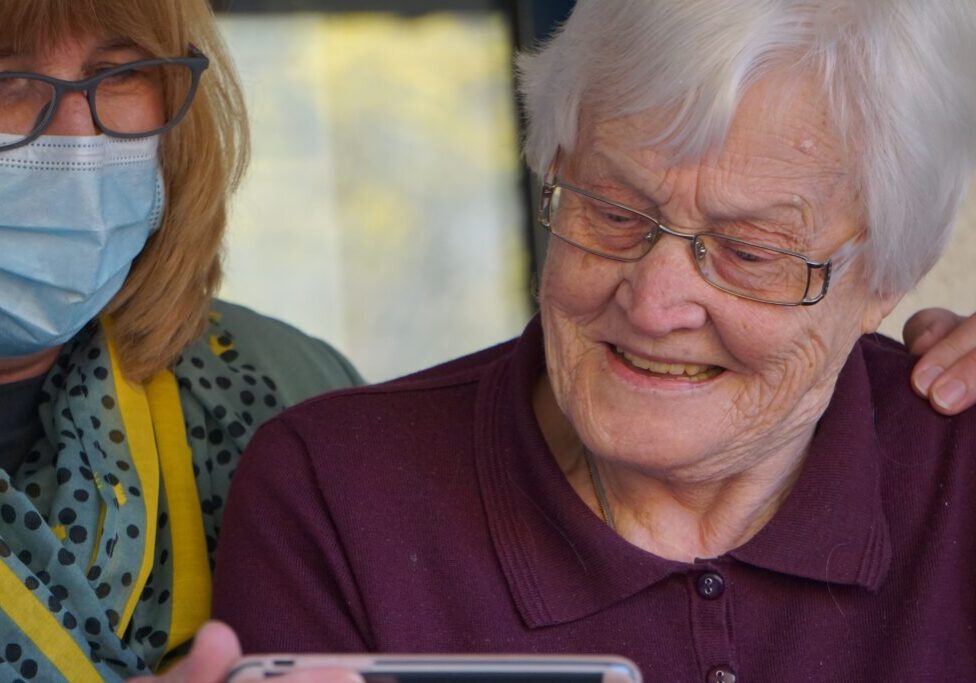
{"points": [[694, 457], [126, 393]]}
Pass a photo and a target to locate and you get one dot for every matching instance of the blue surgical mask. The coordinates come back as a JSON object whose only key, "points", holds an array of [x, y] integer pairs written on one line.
{"points": [[74, 213]]}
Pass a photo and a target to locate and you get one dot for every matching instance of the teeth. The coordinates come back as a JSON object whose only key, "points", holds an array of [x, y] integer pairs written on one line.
{"points": [[693, 372]]}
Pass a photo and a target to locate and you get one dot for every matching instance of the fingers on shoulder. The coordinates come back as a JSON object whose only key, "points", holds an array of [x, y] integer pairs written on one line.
{"points": [[930, 326]]}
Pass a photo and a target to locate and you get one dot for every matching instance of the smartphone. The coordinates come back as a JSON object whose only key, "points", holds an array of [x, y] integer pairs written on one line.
{"points": [[448, 668]]}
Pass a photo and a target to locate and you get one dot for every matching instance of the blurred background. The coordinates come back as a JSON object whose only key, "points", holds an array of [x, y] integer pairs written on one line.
{"points": [[386, 209]]}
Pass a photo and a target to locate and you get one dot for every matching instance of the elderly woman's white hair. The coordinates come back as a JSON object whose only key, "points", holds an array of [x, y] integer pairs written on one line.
{"points": [[899, 76]]}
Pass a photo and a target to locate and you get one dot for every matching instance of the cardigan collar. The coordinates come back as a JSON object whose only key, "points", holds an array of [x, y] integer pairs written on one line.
{"points": [[563, 563]]}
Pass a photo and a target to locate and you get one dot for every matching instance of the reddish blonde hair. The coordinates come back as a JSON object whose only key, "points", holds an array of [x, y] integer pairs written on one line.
{"points": [[164, 303]]}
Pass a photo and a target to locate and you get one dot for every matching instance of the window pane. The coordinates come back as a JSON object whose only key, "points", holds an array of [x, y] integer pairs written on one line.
{"points": [[382, 211]]}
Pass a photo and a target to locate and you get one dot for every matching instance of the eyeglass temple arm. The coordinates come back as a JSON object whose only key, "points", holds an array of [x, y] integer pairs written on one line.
{"points": [[812, 266]]}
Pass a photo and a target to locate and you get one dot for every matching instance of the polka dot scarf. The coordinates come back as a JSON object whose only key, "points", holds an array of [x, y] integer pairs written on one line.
{"points": [[109, 527]]}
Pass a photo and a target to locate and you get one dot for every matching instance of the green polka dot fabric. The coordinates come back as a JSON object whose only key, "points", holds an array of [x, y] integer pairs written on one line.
{"points": [[74, 518]]}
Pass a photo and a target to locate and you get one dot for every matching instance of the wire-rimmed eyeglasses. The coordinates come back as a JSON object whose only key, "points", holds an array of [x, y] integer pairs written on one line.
{"points": [[125, 101], [759, 272]]}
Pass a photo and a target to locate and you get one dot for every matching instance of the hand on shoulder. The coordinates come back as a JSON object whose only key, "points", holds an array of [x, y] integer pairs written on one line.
{"points": [[946, 372]]}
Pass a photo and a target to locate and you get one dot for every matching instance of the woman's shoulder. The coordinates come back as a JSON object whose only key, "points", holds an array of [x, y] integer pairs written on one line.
{"points": [[302, 365], [246, 368], [888, 361], [888, 365], [421, 412], [905, 421], [430, 387]]}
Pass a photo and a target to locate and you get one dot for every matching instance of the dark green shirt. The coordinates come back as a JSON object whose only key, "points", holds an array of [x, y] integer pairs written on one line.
{"points": [[20, 426]]}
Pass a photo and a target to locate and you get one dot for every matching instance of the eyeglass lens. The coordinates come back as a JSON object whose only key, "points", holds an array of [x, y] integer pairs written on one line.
{"points": [[739, 267], [134, 101]]}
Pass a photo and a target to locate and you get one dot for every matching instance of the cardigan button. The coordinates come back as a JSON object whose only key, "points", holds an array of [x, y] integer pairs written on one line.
{"points": [[720, 674], [711, 585]]}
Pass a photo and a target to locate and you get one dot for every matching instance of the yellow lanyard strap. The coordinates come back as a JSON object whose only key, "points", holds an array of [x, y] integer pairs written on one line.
{"points": [[191, 568], [44, 630], [153, 421]]}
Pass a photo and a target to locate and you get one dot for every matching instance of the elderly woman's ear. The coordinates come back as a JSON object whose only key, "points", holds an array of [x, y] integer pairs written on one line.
{"points": [[946, 372], [880, 307]]}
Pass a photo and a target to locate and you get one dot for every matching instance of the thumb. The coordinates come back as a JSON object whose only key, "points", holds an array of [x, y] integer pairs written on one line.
{"points": [[215, 649]]}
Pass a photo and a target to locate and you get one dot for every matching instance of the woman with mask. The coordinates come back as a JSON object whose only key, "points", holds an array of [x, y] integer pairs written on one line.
{"points": [[126, 392]]}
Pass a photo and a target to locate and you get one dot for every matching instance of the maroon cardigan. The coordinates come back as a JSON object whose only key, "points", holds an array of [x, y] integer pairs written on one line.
{"points": [[427, 515]]}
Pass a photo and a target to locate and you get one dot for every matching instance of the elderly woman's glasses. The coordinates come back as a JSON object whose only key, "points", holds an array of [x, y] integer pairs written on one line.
{"points": [[120, 98], [753, 271]]}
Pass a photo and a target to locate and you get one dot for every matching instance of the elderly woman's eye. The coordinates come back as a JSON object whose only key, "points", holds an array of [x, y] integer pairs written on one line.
{"points": [[619, 217], [748, 256], [745, 254]]}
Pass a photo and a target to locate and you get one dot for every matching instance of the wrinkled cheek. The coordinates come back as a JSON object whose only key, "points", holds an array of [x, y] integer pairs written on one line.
{"points": [[565, 350], [576, 370], [576, 284], [572, 301], [571, 305], [796, 380], [759, 401]]}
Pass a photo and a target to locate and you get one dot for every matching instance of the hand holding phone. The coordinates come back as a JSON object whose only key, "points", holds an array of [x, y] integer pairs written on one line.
{"points": [[215, 652]]}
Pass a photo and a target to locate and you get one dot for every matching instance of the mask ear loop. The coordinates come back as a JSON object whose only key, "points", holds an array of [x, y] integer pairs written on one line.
{"points": [[159, 206]]}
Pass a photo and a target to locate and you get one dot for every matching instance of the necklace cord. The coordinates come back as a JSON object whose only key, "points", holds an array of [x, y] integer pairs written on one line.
{"points": [[601, 494]]}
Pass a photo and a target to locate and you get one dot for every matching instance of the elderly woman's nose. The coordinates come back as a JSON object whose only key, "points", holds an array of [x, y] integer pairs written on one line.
{"points": [[663, 291], [72, 117]]}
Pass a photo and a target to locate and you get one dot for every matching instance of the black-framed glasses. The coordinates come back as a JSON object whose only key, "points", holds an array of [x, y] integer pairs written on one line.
{"points": [[759, 272], [133, 100]]}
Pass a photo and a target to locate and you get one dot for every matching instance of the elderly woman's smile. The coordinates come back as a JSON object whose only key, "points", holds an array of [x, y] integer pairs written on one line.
{"points": [[690, 372], [659, 371]]}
